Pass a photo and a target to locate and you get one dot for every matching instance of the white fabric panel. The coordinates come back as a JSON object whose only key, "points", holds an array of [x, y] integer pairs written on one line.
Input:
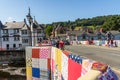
{"points": [[35, 62], [28, 52], [43, 64], [64, 66]]}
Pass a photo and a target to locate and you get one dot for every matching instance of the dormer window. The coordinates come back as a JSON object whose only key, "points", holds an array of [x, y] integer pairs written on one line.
{"points": [[24, 31]]}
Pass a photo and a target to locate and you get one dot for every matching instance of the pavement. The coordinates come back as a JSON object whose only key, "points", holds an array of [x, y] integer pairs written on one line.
{"points": [[104, 47], [111, 48]]}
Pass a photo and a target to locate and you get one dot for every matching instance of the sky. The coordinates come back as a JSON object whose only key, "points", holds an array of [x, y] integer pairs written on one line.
{"points": [[48, 11]]}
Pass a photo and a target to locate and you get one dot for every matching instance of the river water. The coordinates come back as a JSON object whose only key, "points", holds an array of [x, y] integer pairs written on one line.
{"points": [[12, 74], [7, 76]]}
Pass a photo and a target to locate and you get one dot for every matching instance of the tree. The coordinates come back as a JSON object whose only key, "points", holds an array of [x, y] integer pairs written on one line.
{"points": [[112, 24], [48, 30]]}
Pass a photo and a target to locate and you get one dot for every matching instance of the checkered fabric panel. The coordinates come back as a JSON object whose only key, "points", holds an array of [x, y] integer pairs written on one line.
{"points": [[45, 53], [28, 61]]}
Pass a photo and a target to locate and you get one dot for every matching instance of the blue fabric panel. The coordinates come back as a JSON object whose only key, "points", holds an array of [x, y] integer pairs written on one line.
{"points": [[36, 72]]}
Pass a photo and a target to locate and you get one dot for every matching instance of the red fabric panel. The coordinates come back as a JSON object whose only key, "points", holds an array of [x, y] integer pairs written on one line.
{"points": [[49, 63], [74, 70], [35, 53], [66, 53]]}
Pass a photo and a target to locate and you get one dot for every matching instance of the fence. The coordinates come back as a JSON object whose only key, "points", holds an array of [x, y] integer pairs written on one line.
{"points": [[102, 43], [51, 63]]}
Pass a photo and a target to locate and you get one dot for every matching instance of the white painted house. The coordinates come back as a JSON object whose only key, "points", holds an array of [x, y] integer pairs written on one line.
{"points": [[15, 35], [18, 35]]}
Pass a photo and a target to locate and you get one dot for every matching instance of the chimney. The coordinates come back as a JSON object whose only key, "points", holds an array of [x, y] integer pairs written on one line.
{"points": [[14, 21], [25, 20]]}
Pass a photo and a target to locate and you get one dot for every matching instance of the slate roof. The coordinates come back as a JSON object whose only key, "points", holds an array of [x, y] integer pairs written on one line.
{"points": [[14, 25], [1, 26], [114, 32], [36, 25], [74, 32], [25, 27], [91, 34]]}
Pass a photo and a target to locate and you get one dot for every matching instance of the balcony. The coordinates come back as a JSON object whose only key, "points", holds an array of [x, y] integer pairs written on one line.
{"points": [[5, 35], [14, 34]]}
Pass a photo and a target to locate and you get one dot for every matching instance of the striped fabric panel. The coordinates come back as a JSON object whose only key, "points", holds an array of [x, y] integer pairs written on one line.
{"points": [[84, 71], [87, 64], [33, 78]]}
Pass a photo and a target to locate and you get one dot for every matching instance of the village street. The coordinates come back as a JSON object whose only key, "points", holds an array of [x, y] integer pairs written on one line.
{"points": [[110, 56]]}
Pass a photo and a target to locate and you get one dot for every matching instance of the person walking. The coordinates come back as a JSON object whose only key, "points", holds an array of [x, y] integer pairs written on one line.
{"points": [[61, 44], [57, 44]]}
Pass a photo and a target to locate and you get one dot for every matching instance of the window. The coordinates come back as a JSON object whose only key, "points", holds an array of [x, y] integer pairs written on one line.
{"points": [[20, 45], [5, 31], [39, 31], [99, 35], [16, 30], [24, 40], [5, 39], [7, 46], [14, 45], [24, 31], [39, 40], [84, 37], [16, 38]]}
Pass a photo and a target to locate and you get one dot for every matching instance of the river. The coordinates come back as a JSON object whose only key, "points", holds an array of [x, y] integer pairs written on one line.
{"points": [[12, 73]]}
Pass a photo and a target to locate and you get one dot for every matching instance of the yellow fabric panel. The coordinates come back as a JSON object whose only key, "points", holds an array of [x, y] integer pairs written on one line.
{"points": [[91, 75], [58, 59], [29, 78], [29, 71]]}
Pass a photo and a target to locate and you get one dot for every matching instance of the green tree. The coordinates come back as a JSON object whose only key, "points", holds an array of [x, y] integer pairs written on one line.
{"points": [[48, 30], [112, 23]]}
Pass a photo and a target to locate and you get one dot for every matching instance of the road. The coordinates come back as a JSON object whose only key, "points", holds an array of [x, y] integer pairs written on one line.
{"points": [[110, 56]]}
